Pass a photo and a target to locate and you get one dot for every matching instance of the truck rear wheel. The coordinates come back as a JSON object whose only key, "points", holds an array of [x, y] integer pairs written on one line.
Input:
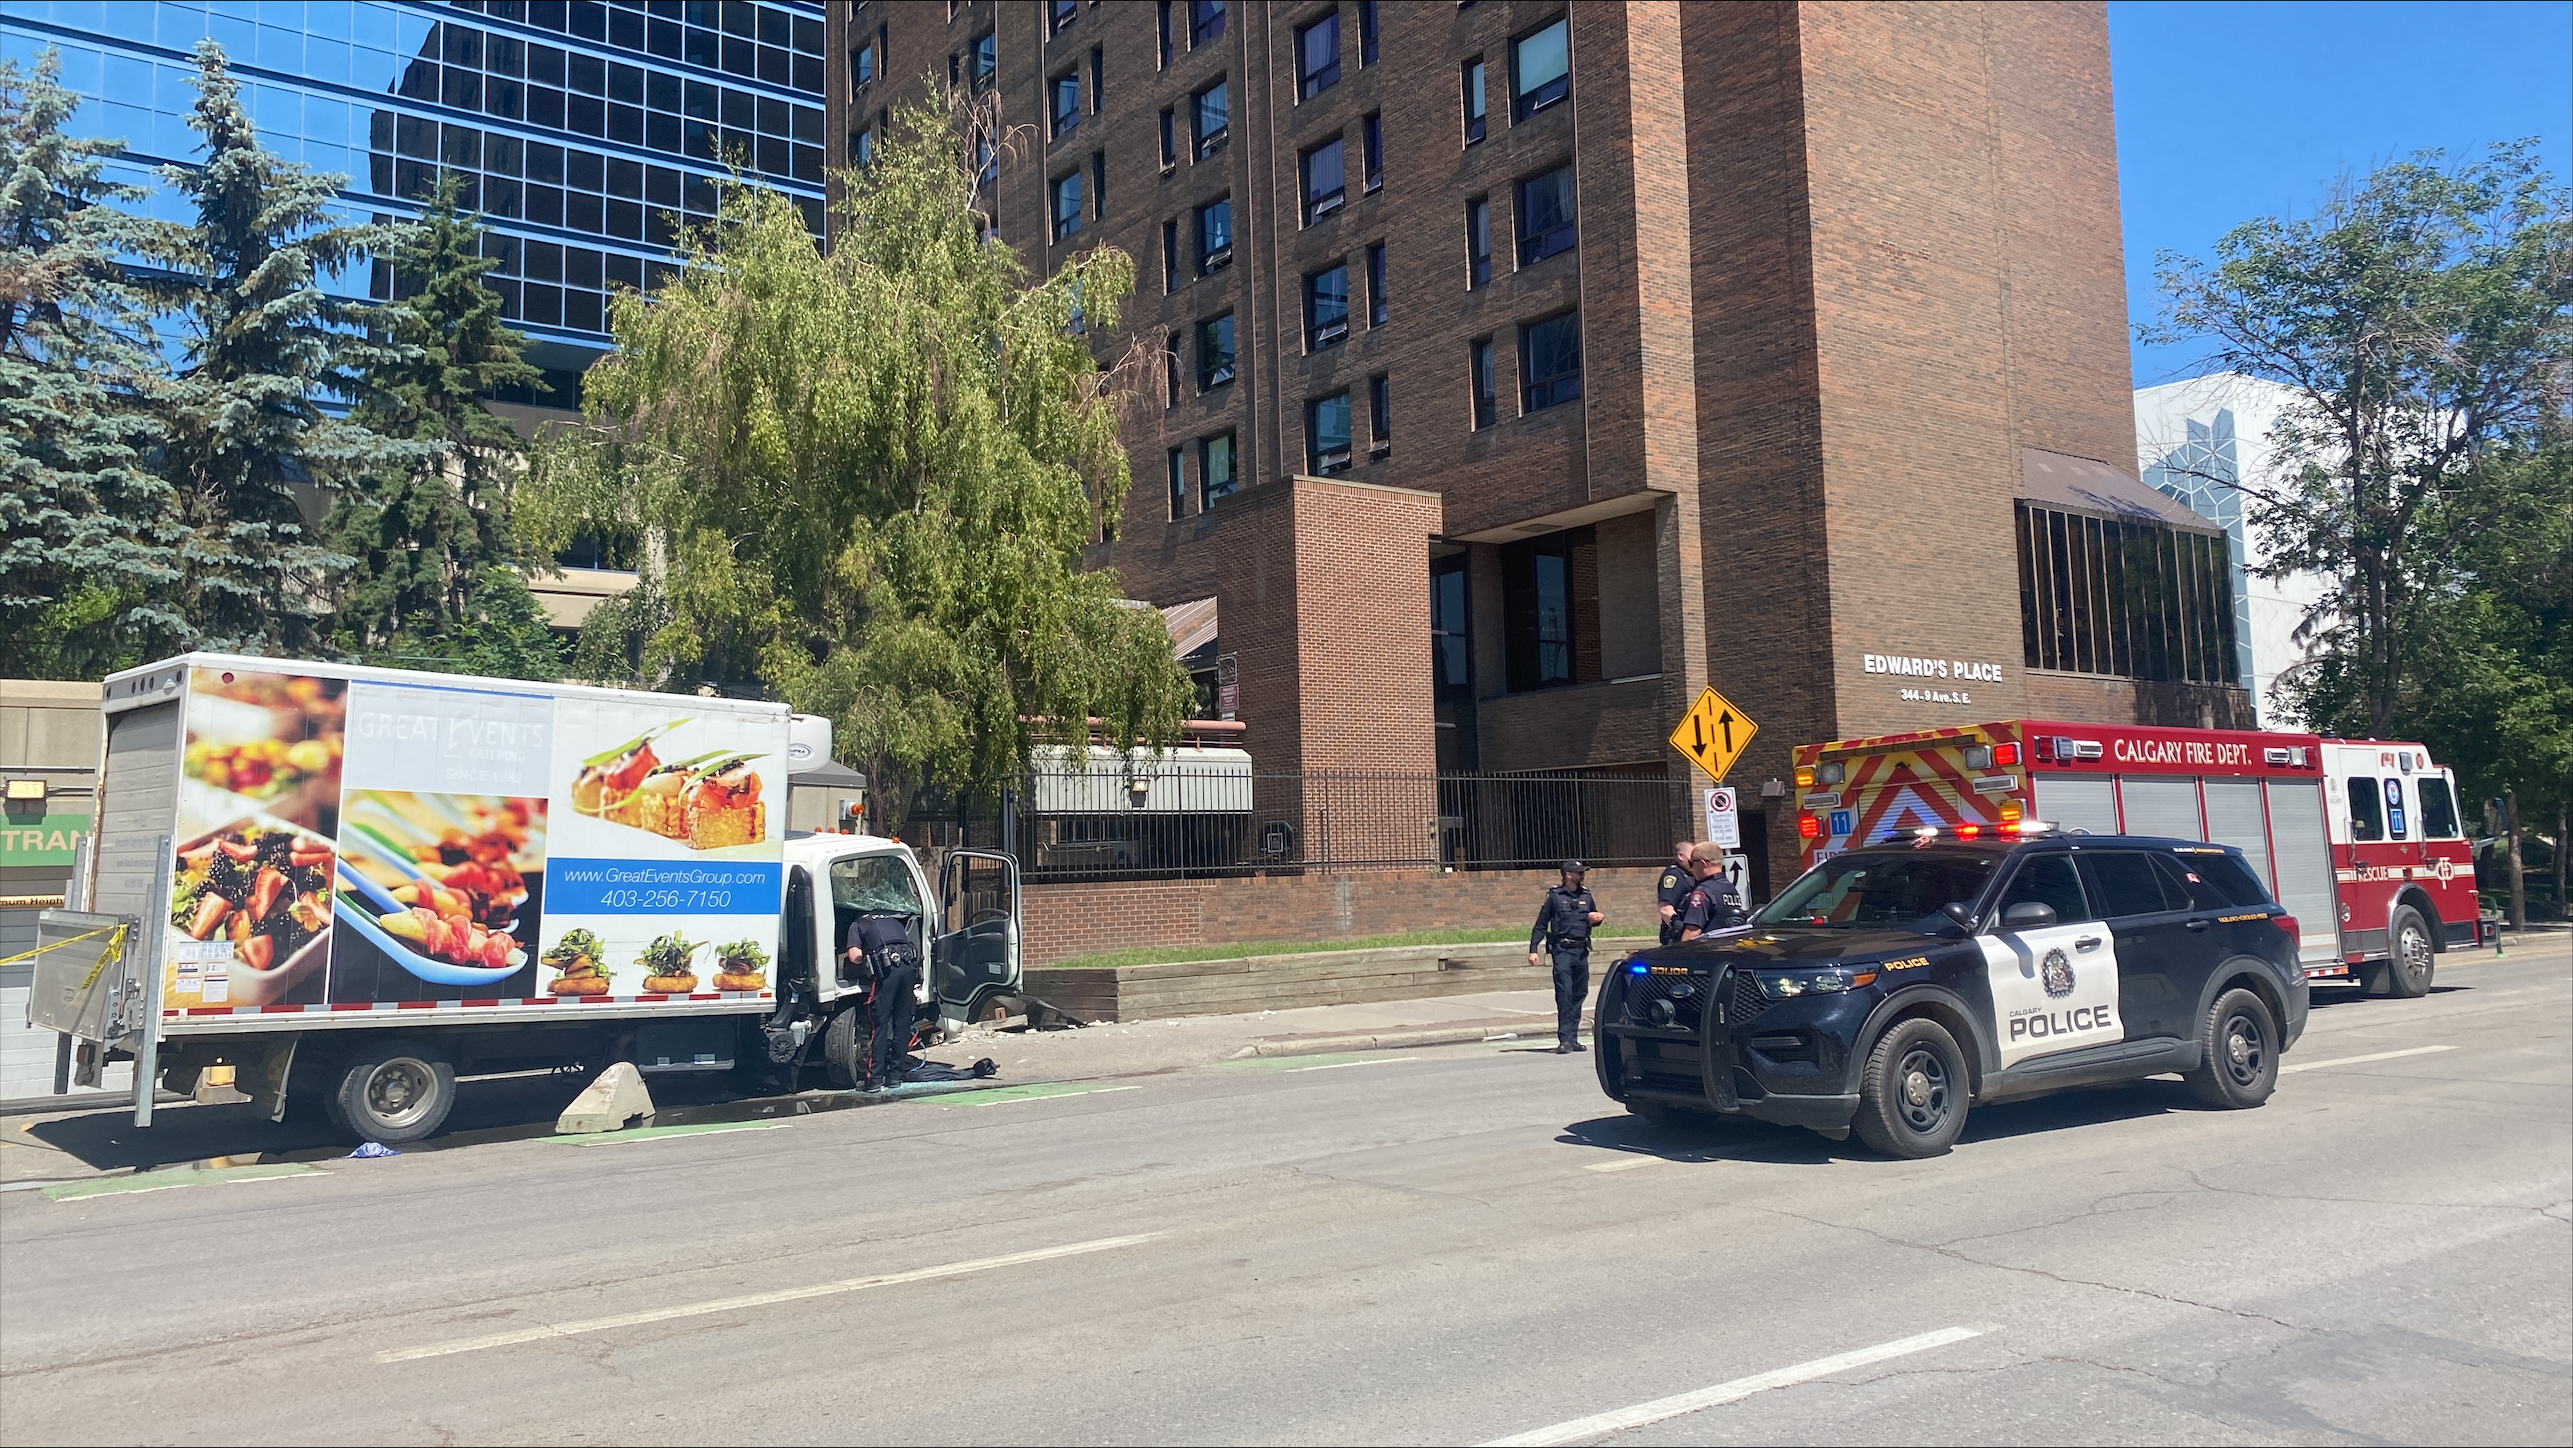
{"points": [[395, 1091], [2410, 957], [1912, 1101]]}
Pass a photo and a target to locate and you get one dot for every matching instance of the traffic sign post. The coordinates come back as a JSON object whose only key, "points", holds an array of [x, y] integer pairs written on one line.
{"points": [[1713, 734]]}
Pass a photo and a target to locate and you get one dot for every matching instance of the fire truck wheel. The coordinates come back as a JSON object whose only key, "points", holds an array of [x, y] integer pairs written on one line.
{"points": [[2410, 959], [844, 1048], [1912, 1101], [2238, 1067]]}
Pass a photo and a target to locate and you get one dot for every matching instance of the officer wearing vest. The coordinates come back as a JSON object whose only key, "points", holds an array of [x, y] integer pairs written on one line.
{"points": [[1711, 903], [1677, 880], [1563, 929]]}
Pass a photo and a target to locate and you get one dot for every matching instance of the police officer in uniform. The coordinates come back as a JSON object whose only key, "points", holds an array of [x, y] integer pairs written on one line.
{"points": [[1710, 903], [1677, 880], [883, 943], [1563, 928]]}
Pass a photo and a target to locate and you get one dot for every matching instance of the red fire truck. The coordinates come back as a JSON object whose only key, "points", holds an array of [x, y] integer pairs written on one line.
{"points": [[2361, 840]]}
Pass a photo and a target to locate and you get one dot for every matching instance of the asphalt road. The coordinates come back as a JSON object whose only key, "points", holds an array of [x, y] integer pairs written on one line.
{"points": [[1451, 1245]]}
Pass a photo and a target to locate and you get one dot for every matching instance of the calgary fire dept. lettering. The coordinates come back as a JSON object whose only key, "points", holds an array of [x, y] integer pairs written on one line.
{"points": [[2199, 752]]}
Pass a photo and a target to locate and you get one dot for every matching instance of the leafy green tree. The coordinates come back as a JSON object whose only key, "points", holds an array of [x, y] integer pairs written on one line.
{"points": [[245, 432], [432, 545], [86, 547], [2422, 318], [866, 479]]}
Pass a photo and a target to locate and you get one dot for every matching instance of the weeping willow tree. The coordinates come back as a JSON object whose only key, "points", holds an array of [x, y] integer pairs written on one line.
{"points": [[865, 479]]}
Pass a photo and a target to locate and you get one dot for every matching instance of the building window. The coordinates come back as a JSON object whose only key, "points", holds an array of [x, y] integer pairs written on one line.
{"points": [[1366, 32], [1474, 100], [1170, 370], [1165, 37], [987, 62], [1545, 215], [862, 147], [862, 66], [1317, 50], [1210, 113], [1372, 136], [1540, 69], [1169, 138], [1380, 415], [1478, 242], [1205, 21], [1549, 596], [1550, 362], [1452, 655], [1178, 484], [1098, 78], [2126, 599], [1326, 308], [1376, 306], [1479, 355], [1098, 185], [1215, 352], [1169, 257], [1061, 13], [1326, 435], [1067, 204], [1214, 235], [987, 162], [1063, 102], [1325, 181], [1215, 477]]}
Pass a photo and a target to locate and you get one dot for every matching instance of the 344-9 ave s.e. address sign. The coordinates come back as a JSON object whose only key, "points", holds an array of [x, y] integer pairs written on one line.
{"points": [[1713, 734]]}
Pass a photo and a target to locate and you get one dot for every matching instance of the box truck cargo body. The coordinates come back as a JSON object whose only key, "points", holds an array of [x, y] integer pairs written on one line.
{"points": [[323, 868]]}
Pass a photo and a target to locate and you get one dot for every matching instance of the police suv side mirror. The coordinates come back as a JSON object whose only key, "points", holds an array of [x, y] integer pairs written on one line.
{"points": [[1960, 912], [2028, 915]]}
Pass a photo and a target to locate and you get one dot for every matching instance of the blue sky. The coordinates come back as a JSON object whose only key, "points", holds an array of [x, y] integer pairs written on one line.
{"points": [[2230, 111]]}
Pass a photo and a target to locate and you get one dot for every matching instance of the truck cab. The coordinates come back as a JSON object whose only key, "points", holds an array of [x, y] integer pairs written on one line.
{"points": [[967, 928]]}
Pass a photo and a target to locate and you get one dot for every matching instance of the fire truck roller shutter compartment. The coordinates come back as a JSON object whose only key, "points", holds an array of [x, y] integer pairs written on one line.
{"points": [[2161, 805], [2305, 867], [2235, 817], [2087, 803]]}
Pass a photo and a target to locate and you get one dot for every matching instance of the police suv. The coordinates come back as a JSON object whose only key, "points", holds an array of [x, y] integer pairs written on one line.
{"points": [[1890, 987]]}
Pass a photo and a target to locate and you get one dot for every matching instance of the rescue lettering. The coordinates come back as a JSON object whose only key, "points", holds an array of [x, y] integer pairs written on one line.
{"points": [[2200, 752], [2037, 1025]]}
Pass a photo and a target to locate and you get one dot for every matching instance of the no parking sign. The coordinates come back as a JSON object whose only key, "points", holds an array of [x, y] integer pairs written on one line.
{"points": [[1723, 821]]}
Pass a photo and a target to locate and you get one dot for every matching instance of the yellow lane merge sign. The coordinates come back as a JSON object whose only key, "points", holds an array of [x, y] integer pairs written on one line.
{"points": [[1713, 734]]}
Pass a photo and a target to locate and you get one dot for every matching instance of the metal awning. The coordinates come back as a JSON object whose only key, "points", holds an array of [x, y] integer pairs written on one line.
{"points": [[2079, 485], [1192, 625], [829, 774]]}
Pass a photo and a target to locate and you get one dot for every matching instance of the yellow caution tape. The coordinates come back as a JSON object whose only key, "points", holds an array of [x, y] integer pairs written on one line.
{"points": [[114, 949]]}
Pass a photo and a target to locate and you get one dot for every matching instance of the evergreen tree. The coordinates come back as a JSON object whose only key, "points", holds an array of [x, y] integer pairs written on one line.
{"points": [[866, 479], [85, 541], [248, 448], [432, 544]]}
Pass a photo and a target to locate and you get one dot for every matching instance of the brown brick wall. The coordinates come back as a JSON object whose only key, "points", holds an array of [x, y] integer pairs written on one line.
{"points": [[1064, 921]]}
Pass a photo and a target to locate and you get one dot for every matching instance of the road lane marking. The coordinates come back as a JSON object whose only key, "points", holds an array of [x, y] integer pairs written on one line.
{"points": [[1040, 1091], [1627, 1164], [759, 1299], [2357, 1060], [1621, 1419], [181, 1176], [1343, 1065]]}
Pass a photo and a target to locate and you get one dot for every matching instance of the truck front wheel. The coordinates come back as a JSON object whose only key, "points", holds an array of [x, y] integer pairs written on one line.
{"points": [[396, 1091], [844, 1048], [2410, 957]]}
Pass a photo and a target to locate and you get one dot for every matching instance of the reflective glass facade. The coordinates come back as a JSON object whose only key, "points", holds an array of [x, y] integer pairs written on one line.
{"points": [[581, 128]]}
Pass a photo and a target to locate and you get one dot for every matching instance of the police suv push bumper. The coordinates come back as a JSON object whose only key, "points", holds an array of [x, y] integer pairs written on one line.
{"points": [[1695, 1028]]}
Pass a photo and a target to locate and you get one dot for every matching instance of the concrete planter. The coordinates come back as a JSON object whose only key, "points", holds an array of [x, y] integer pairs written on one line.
{"points": [[1283, 982]]}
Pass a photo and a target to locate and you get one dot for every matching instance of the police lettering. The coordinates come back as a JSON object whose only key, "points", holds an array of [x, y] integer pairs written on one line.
{"points": [[2038, 1025]]}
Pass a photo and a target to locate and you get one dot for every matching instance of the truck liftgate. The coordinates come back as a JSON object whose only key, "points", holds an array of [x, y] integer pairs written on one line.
{"points": [[2359, 839]]}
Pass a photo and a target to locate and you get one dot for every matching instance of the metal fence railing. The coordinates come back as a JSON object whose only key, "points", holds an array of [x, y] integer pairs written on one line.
{"points": [[1169, 824]]}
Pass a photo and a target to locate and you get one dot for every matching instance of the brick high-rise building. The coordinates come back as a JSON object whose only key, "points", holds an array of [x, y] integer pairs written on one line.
{"points": [[1529, 367]]}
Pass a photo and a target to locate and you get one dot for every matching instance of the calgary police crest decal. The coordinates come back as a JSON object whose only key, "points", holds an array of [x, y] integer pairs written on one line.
{"points": [[2056, 974]]}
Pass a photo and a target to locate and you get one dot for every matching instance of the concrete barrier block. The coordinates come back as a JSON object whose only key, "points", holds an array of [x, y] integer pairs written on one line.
{"points": [[614, 1097]]}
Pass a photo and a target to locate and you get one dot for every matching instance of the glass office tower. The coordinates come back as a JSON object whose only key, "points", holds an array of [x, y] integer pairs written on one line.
{"points": [[580, 129]]}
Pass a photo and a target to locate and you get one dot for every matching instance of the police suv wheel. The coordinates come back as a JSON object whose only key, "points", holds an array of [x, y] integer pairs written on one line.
{"points": [[2238, 1066], [844, 1048], [1912, 1101], [2410, 958]]}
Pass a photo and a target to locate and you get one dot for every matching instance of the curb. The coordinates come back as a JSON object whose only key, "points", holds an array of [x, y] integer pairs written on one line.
{"points": [[1395, 1040]]}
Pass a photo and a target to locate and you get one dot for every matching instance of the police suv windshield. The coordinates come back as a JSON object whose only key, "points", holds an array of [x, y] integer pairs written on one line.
{"points": [[1883, 889]]}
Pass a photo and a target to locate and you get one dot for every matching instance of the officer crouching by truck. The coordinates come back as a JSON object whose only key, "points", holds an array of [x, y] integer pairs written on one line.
{"points": [[1563, 930]]}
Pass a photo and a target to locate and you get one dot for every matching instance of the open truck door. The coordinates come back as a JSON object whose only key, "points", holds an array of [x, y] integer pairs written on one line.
{"points": [[975, 955]]}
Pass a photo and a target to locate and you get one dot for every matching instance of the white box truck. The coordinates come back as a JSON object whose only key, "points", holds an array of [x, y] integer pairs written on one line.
{"points": [[353, 885]]}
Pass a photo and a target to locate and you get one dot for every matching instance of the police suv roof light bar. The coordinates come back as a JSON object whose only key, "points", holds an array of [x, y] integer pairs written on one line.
{"points": [[2026, 829]]}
